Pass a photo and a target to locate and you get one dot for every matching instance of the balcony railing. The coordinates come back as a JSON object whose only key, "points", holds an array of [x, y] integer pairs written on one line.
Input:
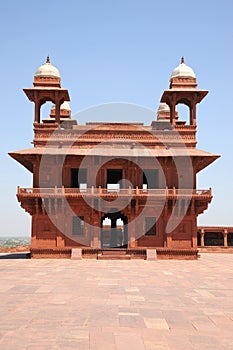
{"points": [[169, 193]]}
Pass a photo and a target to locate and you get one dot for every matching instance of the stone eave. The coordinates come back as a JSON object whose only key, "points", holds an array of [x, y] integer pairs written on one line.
{"points": [[30, 92], [202, 159], [200, 94]]}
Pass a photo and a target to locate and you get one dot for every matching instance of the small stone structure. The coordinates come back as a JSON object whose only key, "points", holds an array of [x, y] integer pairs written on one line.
{"points": [[76, 254], [151, 254]]}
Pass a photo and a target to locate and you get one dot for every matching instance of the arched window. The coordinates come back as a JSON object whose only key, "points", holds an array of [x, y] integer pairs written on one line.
{"points": [[183, 114], [106, 222], [119, 223]]}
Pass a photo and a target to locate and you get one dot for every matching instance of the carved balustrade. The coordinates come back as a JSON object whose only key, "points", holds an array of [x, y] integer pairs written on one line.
{"points": [[169, 193]]}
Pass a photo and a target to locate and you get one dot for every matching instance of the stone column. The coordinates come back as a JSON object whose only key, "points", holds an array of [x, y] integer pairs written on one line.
{"points": [[60, 224], [57, 113], [202, 237], [194, 233], [96, 233], [225, 233], [33, 231], [113, 241], [132, 227], [37, 111], [60, 240], [36, 172], [172, 112], [192, 110], [169, 240]]}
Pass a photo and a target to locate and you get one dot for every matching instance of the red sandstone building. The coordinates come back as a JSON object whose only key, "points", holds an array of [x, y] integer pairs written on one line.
{"points": [[114, 186]]}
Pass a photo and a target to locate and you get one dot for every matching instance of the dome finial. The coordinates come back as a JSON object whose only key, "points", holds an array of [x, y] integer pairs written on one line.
{"points": [[48, 59], [183, 70]]}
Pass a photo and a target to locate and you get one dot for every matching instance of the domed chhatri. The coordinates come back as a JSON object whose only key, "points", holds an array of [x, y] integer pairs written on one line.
{"points": [[65, 110], [47, 75], [47, 87], [65, 116], [163, 112], [47, 70], [64, 106], [183, 90], [163, 107], [183, 71]]}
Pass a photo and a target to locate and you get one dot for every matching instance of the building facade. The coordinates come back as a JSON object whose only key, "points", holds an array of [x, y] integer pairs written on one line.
{"points": [[215, 236], [114, 185]]}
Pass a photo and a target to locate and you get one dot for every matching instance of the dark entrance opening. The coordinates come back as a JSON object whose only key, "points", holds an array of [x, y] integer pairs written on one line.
{"points": [[150, 178], [230, 239], [213, 239], [78, 177], [114, 176], [150, 226], [114, 231]]}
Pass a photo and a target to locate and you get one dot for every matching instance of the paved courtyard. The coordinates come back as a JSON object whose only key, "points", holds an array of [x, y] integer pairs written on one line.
{"points": [[117, 305]]}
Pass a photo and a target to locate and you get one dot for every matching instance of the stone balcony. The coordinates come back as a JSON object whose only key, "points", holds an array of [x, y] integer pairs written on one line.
{"points": [[168, 193]]}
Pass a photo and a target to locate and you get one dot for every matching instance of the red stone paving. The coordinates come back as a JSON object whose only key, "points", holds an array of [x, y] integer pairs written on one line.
{"points": [[117, 305]]}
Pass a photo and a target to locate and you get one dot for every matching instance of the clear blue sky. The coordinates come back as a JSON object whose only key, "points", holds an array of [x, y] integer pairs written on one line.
{"points": [[111, 51]]}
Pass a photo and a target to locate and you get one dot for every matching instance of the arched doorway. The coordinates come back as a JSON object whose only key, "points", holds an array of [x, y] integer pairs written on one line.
{"points": [[114, 230]]}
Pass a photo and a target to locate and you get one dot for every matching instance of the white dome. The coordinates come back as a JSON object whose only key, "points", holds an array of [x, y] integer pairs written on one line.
{"points": [[183, 71], [163, 107], [47, 70], [64, 106]]}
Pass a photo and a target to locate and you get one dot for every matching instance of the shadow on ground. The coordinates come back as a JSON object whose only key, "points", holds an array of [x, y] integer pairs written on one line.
{"points": [[15, 255]]}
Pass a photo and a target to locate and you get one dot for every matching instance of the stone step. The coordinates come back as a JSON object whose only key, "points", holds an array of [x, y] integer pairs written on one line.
{"points": [[115, 256], [114, 252]]}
